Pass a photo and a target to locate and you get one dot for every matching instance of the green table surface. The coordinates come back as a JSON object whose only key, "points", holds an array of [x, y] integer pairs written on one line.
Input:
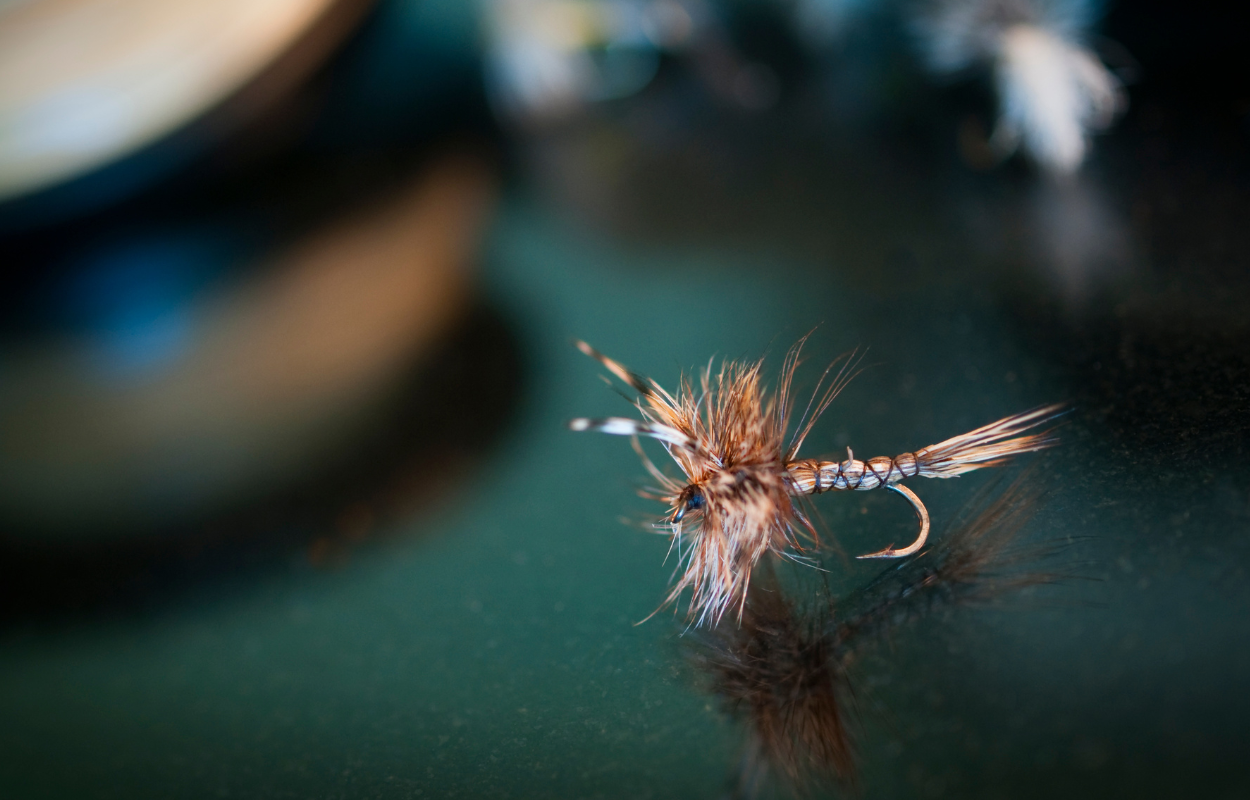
{"points": [[486, 644]]}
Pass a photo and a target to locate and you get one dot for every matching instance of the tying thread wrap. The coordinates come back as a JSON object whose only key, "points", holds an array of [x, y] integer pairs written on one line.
{"points": [[812, 476]]}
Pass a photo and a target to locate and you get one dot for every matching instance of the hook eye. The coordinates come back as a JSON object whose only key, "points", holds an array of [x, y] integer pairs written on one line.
{"points": [[694, 502]]}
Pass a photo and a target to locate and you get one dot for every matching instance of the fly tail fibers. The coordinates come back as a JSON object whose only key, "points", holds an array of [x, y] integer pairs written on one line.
{"points": [[989, 445]]}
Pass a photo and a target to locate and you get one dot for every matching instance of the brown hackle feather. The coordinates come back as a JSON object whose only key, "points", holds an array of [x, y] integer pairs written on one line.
{"points": [[736, 500]]}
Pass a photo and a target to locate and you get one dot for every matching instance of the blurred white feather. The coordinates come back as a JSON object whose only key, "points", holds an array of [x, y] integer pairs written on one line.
{"points": [[1053, 90]]}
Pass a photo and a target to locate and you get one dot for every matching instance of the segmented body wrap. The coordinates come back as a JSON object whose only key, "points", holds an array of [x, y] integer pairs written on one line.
{"points": [[812, 476]]}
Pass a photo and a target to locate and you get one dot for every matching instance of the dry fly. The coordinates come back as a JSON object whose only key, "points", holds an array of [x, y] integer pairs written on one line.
{"points": [[743, 479]]}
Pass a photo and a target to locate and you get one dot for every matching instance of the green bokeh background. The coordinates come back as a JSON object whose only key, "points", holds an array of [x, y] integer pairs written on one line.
{"points": [[486, 644]]}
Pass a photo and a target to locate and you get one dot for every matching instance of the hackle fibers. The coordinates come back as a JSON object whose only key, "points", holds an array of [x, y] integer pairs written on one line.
{"points": [[783, 672], [737, 497]]}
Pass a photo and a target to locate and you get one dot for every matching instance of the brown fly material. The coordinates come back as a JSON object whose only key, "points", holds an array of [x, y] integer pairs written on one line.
{"points": [[778, 671], [736, 499], [783, 670]]}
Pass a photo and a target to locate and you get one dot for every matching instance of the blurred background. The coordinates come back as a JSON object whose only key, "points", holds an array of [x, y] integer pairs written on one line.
{"points": [[287, 502]]}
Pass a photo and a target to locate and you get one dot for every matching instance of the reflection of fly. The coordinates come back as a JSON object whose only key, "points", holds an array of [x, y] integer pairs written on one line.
{"points": [[742, 479], [786, 670]]}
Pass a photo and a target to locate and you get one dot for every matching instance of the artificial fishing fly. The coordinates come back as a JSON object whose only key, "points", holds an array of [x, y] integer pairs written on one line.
{"points": [[743, 478]]}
